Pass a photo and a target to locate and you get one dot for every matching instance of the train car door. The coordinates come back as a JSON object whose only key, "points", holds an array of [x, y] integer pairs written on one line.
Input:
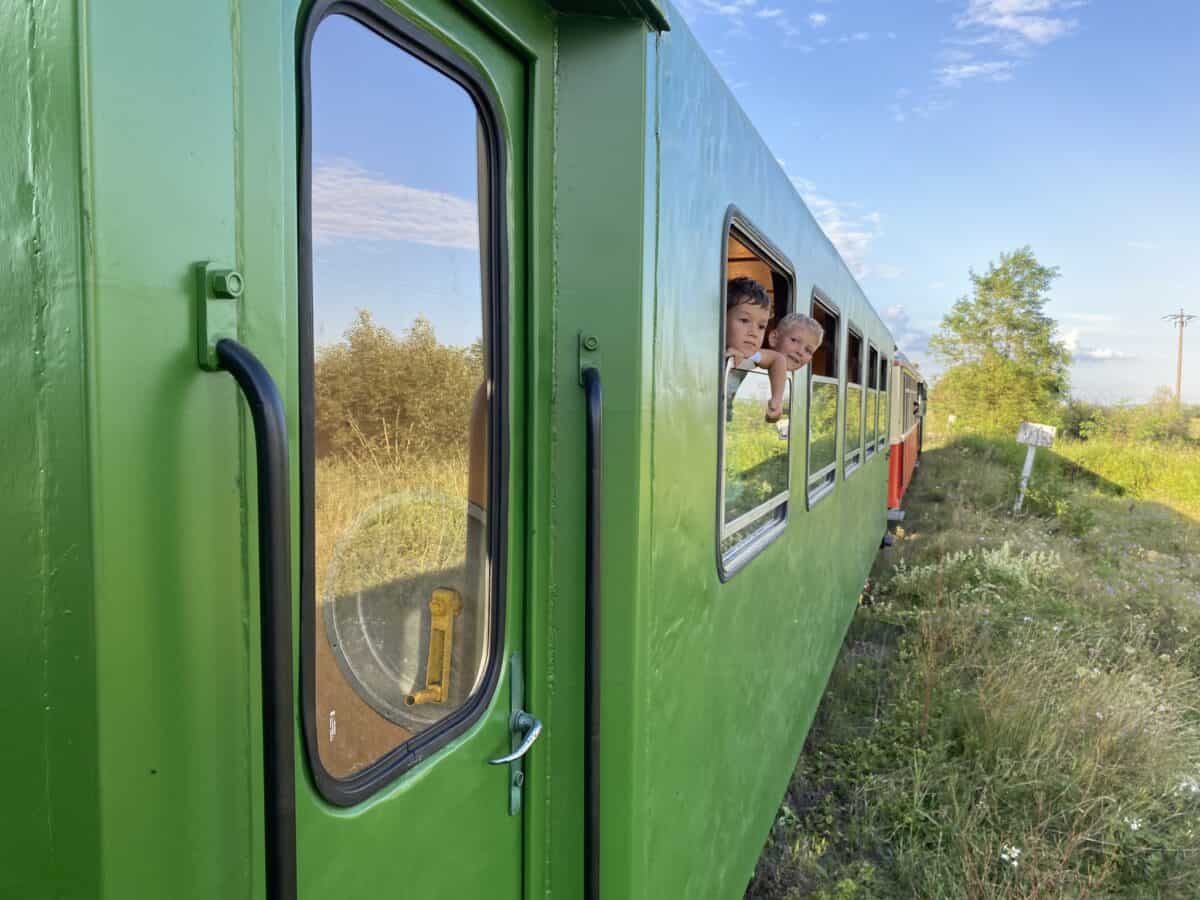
{"points": [[411, 602]]}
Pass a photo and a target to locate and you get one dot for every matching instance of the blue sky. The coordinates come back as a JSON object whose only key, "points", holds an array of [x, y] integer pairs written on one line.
{"points": [[928, 137], [395, 216]]}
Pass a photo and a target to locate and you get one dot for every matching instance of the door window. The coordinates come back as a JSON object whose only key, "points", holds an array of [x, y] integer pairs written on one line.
{"points": [[402, 391]]}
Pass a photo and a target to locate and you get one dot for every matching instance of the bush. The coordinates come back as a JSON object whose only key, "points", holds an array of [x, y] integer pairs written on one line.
{"points": [[375, 391]]}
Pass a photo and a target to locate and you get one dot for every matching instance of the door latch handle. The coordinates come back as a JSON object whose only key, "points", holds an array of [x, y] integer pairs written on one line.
{"points": [[532, 726]]}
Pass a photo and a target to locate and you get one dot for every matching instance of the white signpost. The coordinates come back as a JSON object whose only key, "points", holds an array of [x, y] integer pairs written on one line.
{"points": [[1033, 435]]}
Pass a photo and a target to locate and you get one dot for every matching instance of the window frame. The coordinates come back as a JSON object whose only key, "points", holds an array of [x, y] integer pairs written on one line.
{"points": [[869, 447], [828, 473], [852, 462], [730, 562], [423, 46], [885, 412]]}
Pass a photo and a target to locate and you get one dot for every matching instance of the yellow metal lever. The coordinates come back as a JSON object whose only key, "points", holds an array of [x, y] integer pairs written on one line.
{"points": [[444, 606]]}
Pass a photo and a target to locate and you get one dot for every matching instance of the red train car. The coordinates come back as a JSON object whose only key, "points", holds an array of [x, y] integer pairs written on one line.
{"points": [[907, 392]]}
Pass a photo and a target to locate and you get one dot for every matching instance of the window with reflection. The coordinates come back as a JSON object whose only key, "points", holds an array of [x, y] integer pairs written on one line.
{"points": [[823, 404], [885, 406], [854, 400], [403, 385], [871, 427], [756, 399]]}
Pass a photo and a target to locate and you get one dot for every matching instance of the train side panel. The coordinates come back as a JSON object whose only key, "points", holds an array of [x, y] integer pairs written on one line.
{"points": [[733, 671]]}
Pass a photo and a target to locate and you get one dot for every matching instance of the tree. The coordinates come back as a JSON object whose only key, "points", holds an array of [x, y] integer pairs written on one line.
{"points": [[1004, 363]]}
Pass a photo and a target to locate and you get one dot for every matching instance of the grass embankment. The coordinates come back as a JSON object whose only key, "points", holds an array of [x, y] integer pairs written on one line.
{"points": [[1017, 714]]}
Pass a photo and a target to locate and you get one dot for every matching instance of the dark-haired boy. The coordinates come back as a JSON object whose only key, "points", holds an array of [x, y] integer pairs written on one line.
{"points": [[747, 314]]}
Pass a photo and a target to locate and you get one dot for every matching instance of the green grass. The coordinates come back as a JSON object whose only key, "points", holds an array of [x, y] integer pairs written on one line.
{"points": [[1023, 689]]}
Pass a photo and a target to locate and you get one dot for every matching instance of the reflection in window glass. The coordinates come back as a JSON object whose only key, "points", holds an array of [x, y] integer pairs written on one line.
{"points": [[872, 420], [823, 405], [853, 423], [756, 451], [401, 396], [884, 406], [854, 399], [754, 442], [822, 438], [871, 423]]}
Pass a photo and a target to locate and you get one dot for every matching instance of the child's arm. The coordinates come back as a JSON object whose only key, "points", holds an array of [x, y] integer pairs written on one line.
{"points": [[776, 365]]}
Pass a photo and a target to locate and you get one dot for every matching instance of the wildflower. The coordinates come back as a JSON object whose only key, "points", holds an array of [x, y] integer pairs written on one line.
{"points": [[1189, 785], [1100, 715], [1027, 619], [1010, 854], [1182, 629], [1134, 824]]}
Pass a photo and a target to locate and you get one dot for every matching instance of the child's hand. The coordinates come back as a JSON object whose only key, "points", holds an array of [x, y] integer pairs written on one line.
{"points": [[736, 355], [774, 409]]}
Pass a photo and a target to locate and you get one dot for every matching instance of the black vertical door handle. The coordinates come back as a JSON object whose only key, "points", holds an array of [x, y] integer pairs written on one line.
{"points": [[591, 602], [275, 624]]}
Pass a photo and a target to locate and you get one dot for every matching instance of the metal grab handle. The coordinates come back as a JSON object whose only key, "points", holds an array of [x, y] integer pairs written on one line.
{"points": [[275, 598], [532, 726], [591, 665]]}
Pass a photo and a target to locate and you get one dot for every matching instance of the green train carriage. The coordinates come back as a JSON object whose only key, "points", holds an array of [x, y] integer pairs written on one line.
{"points": [[270, 650]]}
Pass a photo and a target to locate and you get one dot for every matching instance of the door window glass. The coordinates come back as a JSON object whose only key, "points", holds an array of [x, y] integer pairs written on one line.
{"points": [[402, 392]]}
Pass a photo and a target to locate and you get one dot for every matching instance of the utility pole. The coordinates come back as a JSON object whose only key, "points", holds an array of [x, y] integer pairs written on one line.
{"points": [[1181, 319]]}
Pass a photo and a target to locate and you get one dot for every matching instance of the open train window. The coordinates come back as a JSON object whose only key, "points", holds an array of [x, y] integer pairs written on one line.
{"points": [[885, 406], [854, 400], [823, 402], [871, 427], [402, 411], [754, 443]]}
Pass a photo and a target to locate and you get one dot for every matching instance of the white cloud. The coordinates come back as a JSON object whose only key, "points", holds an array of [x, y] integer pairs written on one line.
{"points": [[817, 19], [1101, 354], [898, 114], [769, 13], [955, 74], [351, 203], [1082, 353], [1141, 245], [909, 337], [1016, 24], [851, 234]]}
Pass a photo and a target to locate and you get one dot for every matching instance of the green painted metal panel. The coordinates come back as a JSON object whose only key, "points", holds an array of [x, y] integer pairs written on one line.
{"points": [[443, 828], [731, 673], [46, 654], [603, 248]]}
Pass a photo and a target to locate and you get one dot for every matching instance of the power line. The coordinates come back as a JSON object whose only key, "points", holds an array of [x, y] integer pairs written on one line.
{"points": [[1181, 319]]}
